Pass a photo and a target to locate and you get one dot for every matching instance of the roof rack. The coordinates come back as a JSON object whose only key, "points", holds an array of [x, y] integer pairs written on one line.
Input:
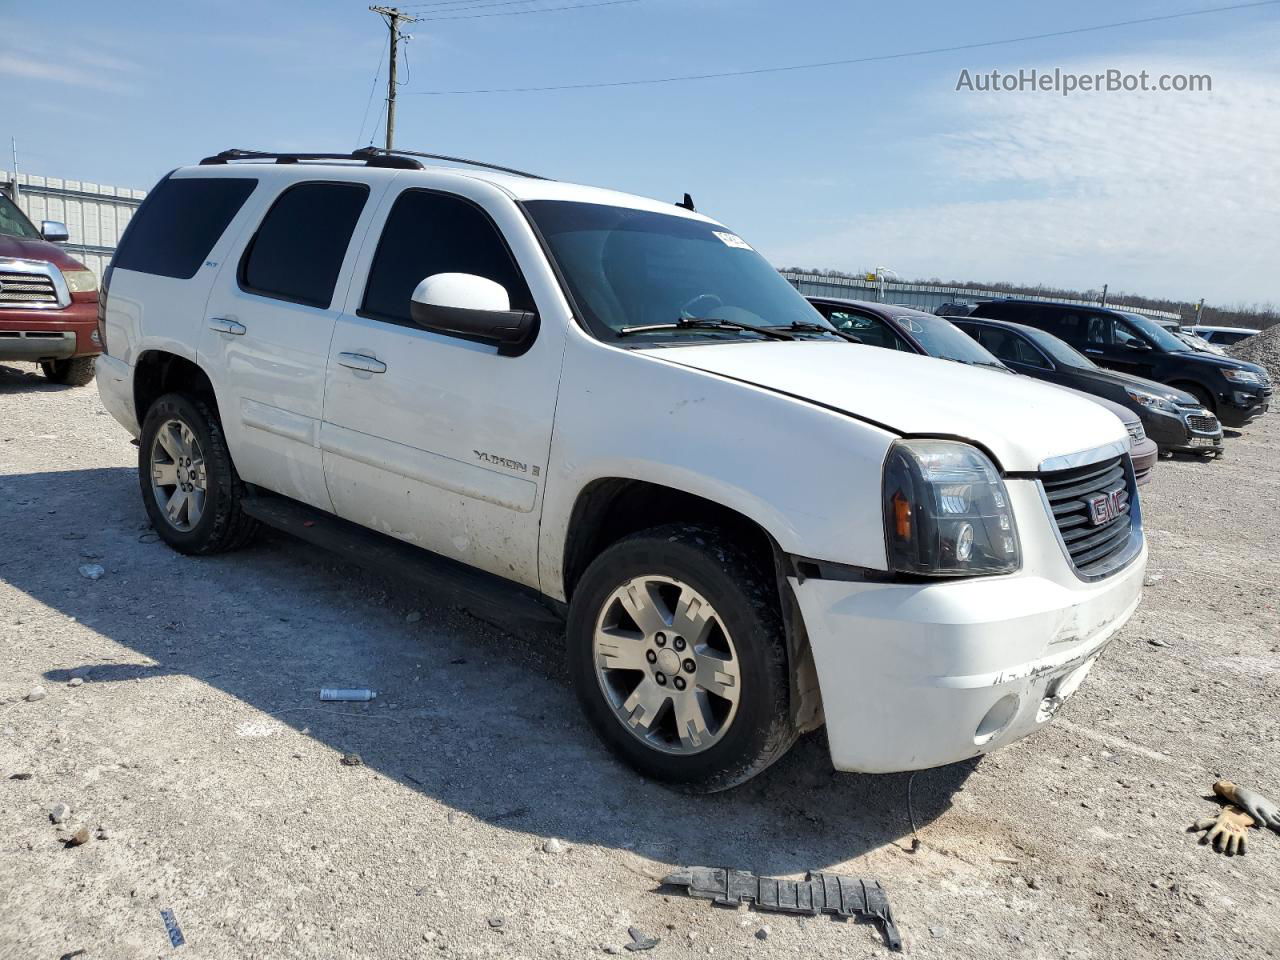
{"points": [[389, 154], [370, 158]]}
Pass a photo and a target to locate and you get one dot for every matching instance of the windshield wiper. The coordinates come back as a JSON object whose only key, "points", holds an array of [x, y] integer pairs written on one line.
{"points": [[707, 323], [800, 326]]}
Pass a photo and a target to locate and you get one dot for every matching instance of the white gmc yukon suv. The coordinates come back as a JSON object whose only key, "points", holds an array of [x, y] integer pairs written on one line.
{"points": [[617, 406]]}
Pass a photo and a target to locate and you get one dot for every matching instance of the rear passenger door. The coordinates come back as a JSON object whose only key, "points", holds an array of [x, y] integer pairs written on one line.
{"points": [[436, 439], [268, 325]]}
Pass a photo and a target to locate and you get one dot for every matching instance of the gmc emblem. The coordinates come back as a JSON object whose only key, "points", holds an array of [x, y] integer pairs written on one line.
{"points": [[1105, 507]]}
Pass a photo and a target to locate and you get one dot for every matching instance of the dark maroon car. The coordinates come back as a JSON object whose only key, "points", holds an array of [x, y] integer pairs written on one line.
{"points": [[48, 300]]}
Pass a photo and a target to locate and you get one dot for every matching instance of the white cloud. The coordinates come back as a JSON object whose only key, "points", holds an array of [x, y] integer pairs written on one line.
{"points": [[1174, 194], [68, 65]]}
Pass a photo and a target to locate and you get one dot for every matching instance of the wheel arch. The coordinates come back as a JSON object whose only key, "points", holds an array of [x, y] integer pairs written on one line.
{"points": [[610, 508], [158, 372], [1195, 388]]}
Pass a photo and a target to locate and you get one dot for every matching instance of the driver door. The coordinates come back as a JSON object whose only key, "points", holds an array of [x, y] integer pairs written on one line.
{"points": [[436, 439], [1113, 343]]}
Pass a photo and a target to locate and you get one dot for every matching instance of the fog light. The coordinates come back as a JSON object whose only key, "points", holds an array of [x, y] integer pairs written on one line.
{"points": [[997, 718]]}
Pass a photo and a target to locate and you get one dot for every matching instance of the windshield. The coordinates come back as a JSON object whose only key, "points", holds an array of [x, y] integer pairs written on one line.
{"points": [[940, 339], [1157, 334], [1063, 354], [13, 223], [633, 268]]}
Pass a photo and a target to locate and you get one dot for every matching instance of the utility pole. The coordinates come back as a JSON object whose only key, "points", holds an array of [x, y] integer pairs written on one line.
{"points": [[1103, 302], [14, 191], [393, 18], [1199, 311]]}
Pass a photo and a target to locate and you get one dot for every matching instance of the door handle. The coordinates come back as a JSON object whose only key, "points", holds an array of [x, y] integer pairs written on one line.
{"points": [[358, 361], [1095, 352], [223, 325]]}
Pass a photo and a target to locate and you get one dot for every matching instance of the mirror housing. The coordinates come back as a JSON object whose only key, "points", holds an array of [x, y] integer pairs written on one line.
{"points": [[1139, 345], [472, 308], [55, 231]]}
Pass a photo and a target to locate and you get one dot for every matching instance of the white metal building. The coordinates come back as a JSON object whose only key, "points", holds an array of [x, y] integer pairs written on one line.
{"points": [[95, 215]]}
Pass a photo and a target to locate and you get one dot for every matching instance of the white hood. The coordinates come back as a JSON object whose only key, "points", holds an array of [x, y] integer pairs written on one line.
{"points": [[1021, 421]]}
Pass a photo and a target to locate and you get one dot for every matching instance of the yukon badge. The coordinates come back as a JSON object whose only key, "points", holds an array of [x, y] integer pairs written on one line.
{"points": [[507, 462]]}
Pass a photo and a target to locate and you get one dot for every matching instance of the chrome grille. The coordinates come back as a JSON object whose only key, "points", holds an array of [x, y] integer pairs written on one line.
{"points": [[1095, 549], [1203, 424], [27, 290]]}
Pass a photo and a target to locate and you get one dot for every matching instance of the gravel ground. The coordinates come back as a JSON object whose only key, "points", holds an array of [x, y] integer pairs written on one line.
{"points": [[181, 720], [1263, 348]]}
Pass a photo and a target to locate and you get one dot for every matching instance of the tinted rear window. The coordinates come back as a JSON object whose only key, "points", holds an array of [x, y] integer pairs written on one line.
{"points": [[178, 224], [299, 248]]}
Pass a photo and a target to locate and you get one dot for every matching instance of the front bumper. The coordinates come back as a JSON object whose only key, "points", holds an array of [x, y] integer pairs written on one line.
{"points": [[1189, 430], [917, 675], [70, 331], [1241, 405]]}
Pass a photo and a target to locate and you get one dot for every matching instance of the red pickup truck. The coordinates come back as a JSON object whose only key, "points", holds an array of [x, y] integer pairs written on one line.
{"points": [[48, 300]]}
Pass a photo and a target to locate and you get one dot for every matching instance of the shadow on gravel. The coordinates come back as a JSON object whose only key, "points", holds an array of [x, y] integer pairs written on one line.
{"points": [[27, 378], [471, 711]]}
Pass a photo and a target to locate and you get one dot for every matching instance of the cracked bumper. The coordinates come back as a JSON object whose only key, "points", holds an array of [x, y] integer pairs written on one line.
{"points": [[921, 675]]}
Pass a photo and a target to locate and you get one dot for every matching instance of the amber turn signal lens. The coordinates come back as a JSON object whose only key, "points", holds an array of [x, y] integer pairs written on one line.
{"points": [[901, 516]]}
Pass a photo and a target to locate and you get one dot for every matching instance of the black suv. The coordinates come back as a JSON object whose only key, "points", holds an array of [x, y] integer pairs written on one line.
{"points": [[1174, 419], [1236, 391]]}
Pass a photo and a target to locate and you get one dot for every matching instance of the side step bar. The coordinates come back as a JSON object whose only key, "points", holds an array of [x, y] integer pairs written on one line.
{"points": [[385, 554]]}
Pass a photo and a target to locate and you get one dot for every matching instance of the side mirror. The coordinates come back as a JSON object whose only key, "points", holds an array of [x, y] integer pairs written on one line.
{"points": [[1139, 345], [473, 308], [55, 231]]}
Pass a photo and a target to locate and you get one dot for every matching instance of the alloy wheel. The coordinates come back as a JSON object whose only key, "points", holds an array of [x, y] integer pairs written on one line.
{"points": [[178, 479], [667, 665]]}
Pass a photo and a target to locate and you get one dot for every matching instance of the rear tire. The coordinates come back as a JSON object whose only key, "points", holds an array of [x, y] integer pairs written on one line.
{"points": [[75, 372], [190, 487], [640, 680]]}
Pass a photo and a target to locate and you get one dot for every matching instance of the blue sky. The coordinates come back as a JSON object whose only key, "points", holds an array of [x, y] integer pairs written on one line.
{"points": [[1171, 194]]}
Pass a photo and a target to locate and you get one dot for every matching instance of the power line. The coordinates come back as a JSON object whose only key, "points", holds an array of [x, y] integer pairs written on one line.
{"points": [[444, 5], [850, 61], [373, 88], [517, 13]]}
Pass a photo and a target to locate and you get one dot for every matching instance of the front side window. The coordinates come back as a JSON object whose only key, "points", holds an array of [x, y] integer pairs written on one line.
{"points": [[178, 224], [634, 268], [1012, 348], [300, 245], [870, 330], [428, 233], [1148, 329], [13, 223]]}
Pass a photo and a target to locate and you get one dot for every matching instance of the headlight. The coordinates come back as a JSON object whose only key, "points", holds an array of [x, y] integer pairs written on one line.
{"points": [[1151, 400], [1241, 376], [946, 511], [80, 281]]}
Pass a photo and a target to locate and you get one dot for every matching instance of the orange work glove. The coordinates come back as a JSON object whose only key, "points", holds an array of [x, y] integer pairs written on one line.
{"points": [[1226, 831]]}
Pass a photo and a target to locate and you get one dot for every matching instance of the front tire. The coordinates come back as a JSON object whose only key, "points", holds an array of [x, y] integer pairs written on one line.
{"points": [[75, 372], [190, 487], [1203, 396], [678, 656]]}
